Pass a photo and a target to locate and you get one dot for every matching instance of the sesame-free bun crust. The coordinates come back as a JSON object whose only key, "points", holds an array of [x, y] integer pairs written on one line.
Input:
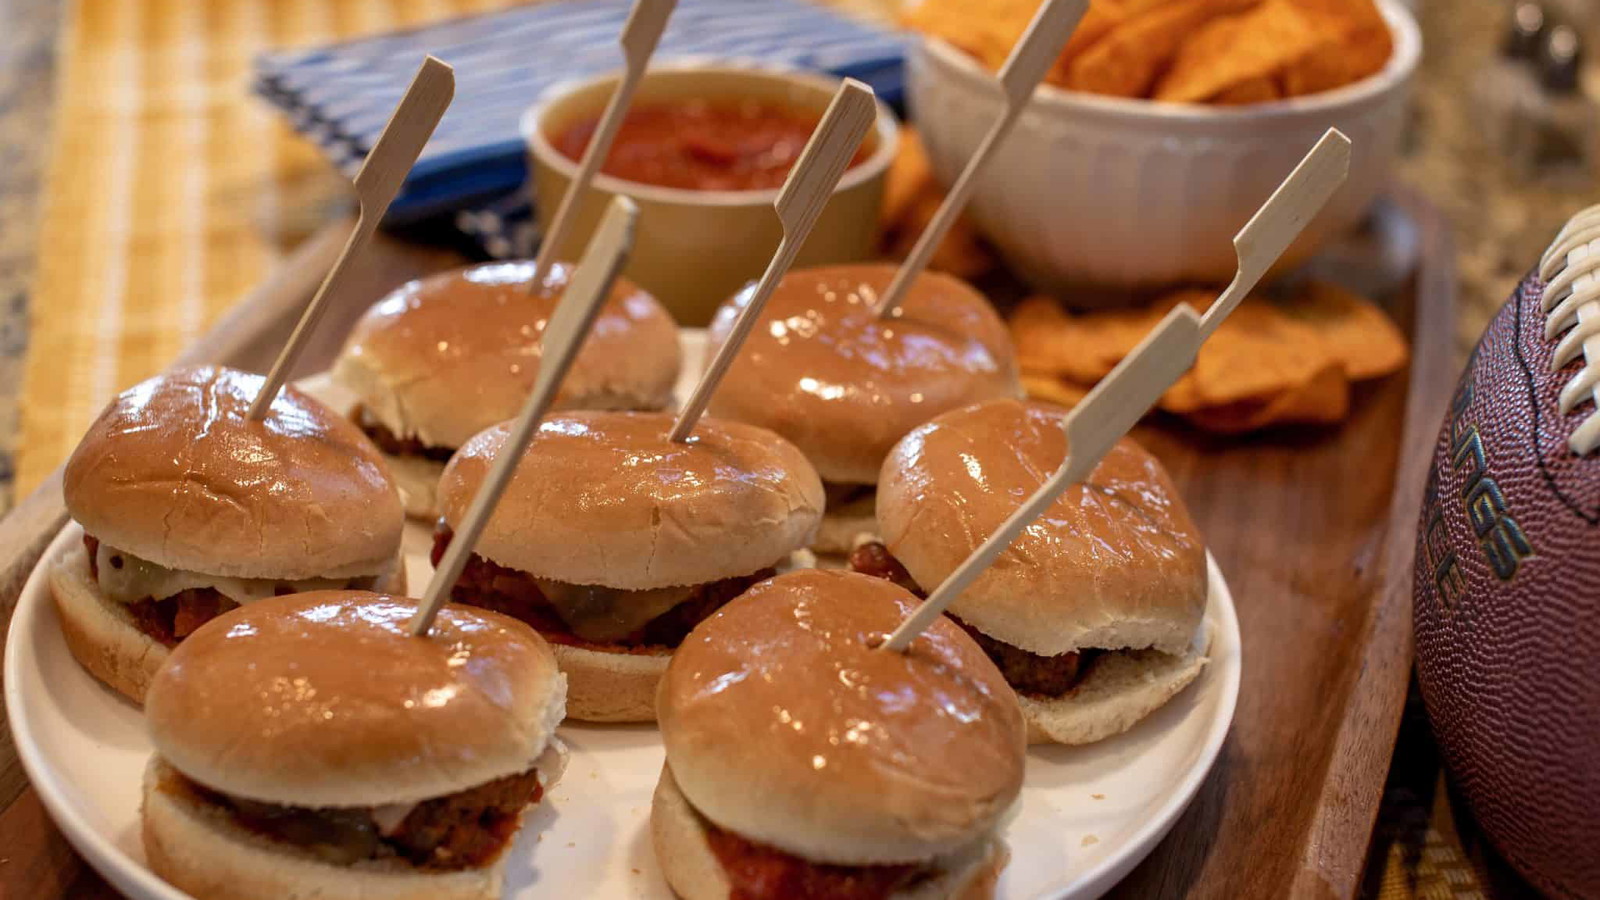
{"points": [[695, 873], [1113, 563], [605, 498], [823, 371], [199, 849], [781, 723], [610, 687], [173, 472], [324, 699], [1120, 690], [102, 635], [443, 358]]}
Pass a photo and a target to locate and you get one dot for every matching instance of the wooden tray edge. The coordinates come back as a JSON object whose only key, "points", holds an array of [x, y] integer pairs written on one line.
{"points": [[1334, 854]]}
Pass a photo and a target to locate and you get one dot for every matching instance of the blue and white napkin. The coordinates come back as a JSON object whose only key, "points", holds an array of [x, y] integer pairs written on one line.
{"points": [[340, 96]]}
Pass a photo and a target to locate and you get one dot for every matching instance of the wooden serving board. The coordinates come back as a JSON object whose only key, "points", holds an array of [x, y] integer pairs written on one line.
{"points": [[1313, 531]]}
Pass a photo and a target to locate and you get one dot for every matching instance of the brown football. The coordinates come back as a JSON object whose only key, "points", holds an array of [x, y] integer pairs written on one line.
{"points": [[1508, 578]]}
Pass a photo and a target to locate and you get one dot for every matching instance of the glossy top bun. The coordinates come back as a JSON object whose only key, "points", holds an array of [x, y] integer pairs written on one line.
{"points": [[443, 358], [783, 724], [172, 471], [1114, 563], [824, 372], [324, 699], [605, 498]]}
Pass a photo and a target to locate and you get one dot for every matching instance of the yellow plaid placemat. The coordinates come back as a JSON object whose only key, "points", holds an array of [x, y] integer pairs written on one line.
{"points": [[171, 190]]}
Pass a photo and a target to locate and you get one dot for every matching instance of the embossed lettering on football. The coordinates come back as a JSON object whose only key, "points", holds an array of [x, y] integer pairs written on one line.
{"points": [[1508, 602]]}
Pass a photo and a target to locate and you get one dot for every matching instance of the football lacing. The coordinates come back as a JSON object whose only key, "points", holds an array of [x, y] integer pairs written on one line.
{"points": [[1571, 304]]}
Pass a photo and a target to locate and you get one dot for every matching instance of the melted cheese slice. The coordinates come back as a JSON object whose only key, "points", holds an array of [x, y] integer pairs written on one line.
{"points": [[131, 579], [603, 615]]}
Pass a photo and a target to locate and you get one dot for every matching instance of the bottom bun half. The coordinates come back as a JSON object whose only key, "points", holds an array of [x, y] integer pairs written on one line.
{"points": [[417, 477], [198, 849], [840, 532], [694, 872], [102, 636], [1120, 690], [610, 687]]}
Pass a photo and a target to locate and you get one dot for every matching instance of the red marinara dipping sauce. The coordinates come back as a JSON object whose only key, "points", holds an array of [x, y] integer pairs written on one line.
{"points": [[704, 145]]}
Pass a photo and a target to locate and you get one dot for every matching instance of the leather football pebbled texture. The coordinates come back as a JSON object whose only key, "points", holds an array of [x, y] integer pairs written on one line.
{"points": [[1507, 608]]}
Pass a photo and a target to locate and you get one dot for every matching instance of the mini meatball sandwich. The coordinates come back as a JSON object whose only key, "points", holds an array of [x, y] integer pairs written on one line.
{"points": [[805, 761], [189, 509], [1096, 613], [824, 371], [613, 541], [440, 359], [309, 746]]}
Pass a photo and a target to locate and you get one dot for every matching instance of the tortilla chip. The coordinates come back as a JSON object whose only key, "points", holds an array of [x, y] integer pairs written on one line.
{"points": [[909, 175], [1082, 348], [1353, 329], [1322, 400], [961, 252], [1054, 390], [1128, 60], [1237, 49], [1258, 352], [1361, 47], [986, 29], [1256, 90]]}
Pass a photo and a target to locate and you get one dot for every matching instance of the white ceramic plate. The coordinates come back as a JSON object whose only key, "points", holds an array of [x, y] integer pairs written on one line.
{"points": [[1088, 815]]}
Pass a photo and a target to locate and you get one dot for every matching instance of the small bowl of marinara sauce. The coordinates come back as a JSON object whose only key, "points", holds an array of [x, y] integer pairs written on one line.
{"points": [[704, 150]]}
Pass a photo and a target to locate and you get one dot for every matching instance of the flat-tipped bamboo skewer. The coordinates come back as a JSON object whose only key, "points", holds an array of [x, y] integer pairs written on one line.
{"points": [[639, 38], [379, 180], [574, 315], [805, 192], [1030, 59]]}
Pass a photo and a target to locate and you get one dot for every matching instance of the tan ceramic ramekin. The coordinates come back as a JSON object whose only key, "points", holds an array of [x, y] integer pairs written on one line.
{"points": [[693, 249]]}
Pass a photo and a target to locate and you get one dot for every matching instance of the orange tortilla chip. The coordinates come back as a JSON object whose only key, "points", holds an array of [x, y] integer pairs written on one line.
{"points": [[986, 29], [1129, 59], [909, 175], [1353, 329], [1256, 90], [961, 253], [1082, 348], [1230, 51], [1054, 390], [1323, 400], [1257, 353]]}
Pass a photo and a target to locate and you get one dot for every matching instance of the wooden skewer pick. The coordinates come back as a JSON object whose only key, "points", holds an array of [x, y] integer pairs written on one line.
{"points": [[1281, 219], [1030, 59], [805, 192], [574, 315], [379, 180], [1095, 425], [639, 38]]}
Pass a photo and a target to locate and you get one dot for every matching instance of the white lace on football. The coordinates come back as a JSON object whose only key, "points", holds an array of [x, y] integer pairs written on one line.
{"points": [[1571, 303]]}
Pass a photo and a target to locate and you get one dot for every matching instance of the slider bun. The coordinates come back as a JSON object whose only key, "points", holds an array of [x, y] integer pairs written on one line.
{"points": [[102, 635], [1114, 563], [443, 358], [1120, 689], [824, 372], [605, 498], [695, 873], [324, 699], [782, 724], [174, 473], [610, 687], [199, 849]]}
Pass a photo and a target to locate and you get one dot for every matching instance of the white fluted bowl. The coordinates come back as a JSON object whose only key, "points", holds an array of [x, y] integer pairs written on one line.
{"points": [[1110, 192]]}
